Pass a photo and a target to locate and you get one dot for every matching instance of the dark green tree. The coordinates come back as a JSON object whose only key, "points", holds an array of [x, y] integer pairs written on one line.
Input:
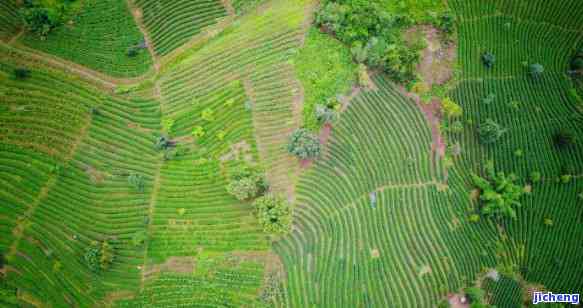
{"points": [[490, 131], [274, 214], [536, 70], [304, 144], [499, 194], [488, 59]]}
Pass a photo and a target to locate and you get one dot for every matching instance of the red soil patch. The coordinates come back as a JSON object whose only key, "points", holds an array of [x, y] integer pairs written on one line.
{"points": [[457, 301]]}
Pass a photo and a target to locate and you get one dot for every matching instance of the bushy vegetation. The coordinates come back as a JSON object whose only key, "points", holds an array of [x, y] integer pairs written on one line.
{"points": [[43, 16], [499, 193], [490, 131], [488, 59], [274, 214], [325, 70], [99, 256], [247, 182], [373, 31], [304, 144]]}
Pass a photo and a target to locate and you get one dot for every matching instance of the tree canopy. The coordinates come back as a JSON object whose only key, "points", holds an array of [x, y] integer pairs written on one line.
{"points": [[274, 213], [499, 194], [304, 144]]}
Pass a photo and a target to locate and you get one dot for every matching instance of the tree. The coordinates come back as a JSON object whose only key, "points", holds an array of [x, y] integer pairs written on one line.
{"points": [[21, 73], [488, 59], [499, 194], [563, 139], [577, 64], [450, 108], [490, 131], [475, 294], [247, 183], [536, 70], [325, 114], [274, 213], [136, 181], [139, 238], [304, 144]]}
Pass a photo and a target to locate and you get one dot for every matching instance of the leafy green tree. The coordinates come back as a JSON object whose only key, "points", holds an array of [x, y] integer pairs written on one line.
{"points": [[450, 108], [490, 131], [136, 181], [475, 295], [536, 70], [563, 139], [577, 64], [21, 73], [247, 183], [499, 194], [41, 17], [304, 144], [488, 59], [535, 177], [274, 213], [139, 238], [325, 114], [91, 257]]}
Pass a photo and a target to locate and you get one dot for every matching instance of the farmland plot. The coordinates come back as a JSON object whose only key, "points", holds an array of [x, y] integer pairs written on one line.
{"points": [[172, 23], [98, 37], [10, 22]]}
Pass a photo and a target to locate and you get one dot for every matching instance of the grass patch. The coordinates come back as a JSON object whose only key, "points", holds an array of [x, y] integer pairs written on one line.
{"points": [[325, 69]]}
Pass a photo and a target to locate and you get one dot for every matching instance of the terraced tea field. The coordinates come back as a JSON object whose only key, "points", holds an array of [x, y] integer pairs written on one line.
{"points": [[123, 130]]}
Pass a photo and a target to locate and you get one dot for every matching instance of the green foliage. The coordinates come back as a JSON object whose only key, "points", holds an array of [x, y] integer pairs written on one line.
{"points": [[274, 214], [247, 183], [535, 177], [450, 108], [139, 238], [91, 257], [168, 125], [536, 70], [475, 294], [499, 194], [446, 22], [488, 59], [548, 222], [563, 139], [21, 73], [198, 132], [474, 218], [208, 115], [136, 181], [490, 131], [327, 113], [577, 64], [325, 70], [304, 144], [373, 30]]}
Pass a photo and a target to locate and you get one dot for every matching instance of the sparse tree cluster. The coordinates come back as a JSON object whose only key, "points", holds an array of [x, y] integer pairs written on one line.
{"points": [[41, 17]]}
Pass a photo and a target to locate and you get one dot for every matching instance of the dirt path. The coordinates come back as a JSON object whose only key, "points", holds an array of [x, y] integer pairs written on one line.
{"points": [[16, 37], [138, 18], [229, 7]]}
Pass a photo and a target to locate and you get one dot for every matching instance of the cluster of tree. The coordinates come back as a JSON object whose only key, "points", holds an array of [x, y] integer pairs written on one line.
{"points": [[488, 59], [41, 16], [374, 34], [99, 256], [274, 214], [21, 73], [499, 193], [247, 183], [304, 144], [563, 139]]}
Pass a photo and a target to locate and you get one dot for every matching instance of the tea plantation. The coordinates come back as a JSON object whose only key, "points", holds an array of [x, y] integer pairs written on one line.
{"points": [[290, 153]]}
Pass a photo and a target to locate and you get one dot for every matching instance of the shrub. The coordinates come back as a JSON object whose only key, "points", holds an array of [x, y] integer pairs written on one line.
{"points": [[577, 64], [136, 181], [548, 222], [490, 131], [163, 143], [91, 257], [106, 255], [207, 115], [363, 77], [325, 114], [132, 51], [446, 22], [566, 178], [563, 139], [536, 70], [475, 294], [247, 183], [198, 132], [535, 176], [499, 194], [450, 108], [21, 73], [488, 59], [274, 213], [139, 238], [474, 218], [303, 144]]}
